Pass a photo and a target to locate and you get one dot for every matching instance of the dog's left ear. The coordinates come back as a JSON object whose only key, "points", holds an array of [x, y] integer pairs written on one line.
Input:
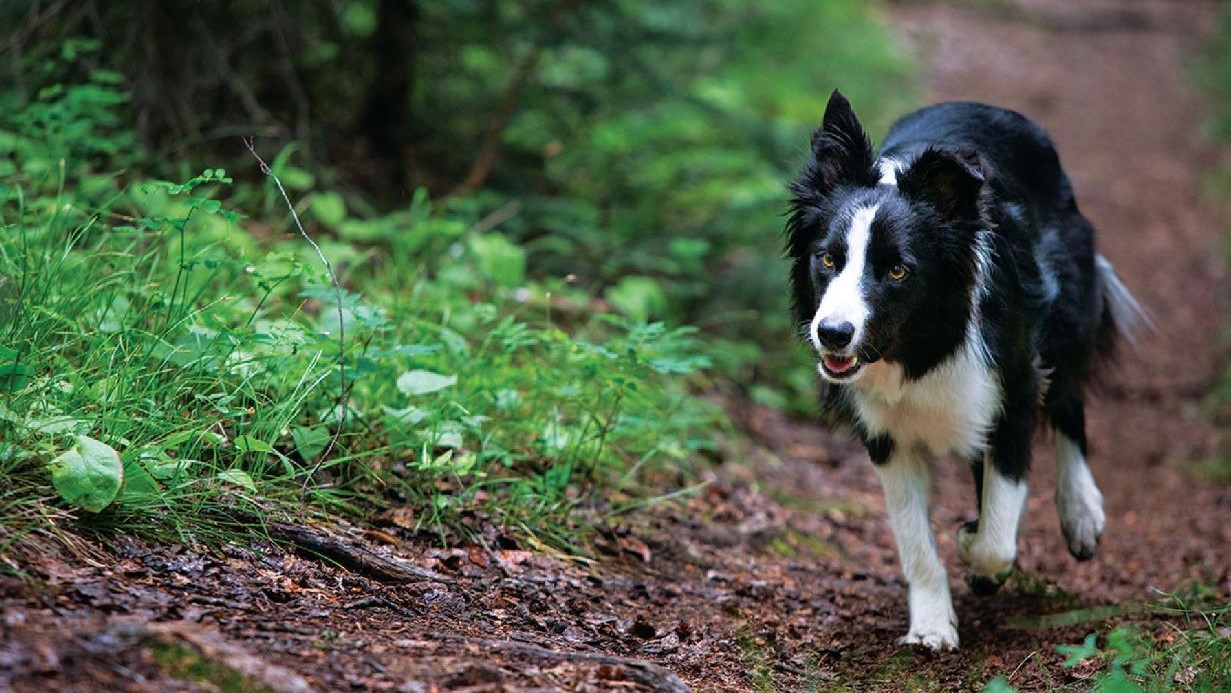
{"points": [[948, 180]]}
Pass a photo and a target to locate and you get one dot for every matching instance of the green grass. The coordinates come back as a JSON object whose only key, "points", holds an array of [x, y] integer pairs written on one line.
{"points": [[212, 370], [1185, 648], [207, 364]]}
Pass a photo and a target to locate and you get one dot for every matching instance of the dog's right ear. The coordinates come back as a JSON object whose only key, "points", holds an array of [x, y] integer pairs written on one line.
{"points": [[841, 150]]}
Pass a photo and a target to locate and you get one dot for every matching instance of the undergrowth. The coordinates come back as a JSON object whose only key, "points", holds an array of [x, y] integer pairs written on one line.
{"points": [[163, 365], [1187, 650], [1212, 74]]}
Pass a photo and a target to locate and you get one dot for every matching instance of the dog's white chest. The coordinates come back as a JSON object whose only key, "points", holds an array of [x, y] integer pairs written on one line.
{"points": [[951, 409]]}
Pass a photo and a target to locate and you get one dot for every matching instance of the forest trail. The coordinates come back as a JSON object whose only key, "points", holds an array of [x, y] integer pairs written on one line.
{"points": [[781, 573]]}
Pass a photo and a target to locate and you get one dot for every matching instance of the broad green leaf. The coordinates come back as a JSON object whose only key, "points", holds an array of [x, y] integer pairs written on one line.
{"points": [[54, 423], [247, 443], [88, 475], [999, 685], [449, 435], [14, 376], [139, 485], [175, 440], [420, 382], [239, 478], [309, 442], [499, 260], [410, 415], [639, 298], [1078, 653], [329, 207], [163, 467]]}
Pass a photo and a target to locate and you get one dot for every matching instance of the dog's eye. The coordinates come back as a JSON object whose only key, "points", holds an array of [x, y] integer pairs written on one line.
{"points": [[827, 260], [898, 272]]}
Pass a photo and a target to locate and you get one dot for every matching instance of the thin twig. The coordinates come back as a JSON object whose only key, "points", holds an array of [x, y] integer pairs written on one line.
{"points": [[337, 288], [37, 19], [639, 671], [506, 211], [351, 554]]}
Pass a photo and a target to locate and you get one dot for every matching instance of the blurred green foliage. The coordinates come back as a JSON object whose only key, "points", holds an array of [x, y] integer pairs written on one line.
{"points": [[644, 144], [1212, 74]]}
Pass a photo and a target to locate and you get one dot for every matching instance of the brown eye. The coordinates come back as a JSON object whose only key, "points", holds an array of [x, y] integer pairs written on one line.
{"points": [[827, 260], [898, 272]]}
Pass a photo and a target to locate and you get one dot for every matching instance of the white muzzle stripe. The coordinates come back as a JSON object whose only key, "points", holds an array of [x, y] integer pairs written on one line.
{"points": [[843, 300]]}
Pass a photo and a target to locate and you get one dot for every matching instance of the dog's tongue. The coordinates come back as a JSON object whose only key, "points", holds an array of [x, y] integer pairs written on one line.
{"points": [[839, 364]]}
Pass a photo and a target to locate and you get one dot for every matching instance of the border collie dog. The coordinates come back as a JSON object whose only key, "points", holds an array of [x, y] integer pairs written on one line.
{"points": [[952, 290]]}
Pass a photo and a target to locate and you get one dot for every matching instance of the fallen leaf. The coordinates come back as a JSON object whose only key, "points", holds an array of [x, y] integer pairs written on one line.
{"points": [[635, 546]]}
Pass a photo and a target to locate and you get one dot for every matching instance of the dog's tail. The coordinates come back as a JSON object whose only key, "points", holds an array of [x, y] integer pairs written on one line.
{"points": [[1122, 318]]}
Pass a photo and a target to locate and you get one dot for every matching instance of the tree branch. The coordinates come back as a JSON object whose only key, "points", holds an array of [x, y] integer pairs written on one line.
{"points": [[489, 150]]}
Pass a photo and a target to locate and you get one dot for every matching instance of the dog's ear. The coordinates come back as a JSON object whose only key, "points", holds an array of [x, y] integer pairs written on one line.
{"points": [[948, 180], [841, 150]]}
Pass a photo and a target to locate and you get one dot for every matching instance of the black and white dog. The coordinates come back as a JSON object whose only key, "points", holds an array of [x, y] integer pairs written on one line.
{"points": [[952, 289]]}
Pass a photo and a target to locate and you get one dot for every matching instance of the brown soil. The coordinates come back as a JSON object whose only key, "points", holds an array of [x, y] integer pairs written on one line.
{"points": [[781, 574]]}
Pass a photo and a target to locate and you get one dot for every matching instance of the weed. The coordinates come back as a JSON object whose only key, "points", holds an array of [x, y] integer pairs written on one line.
{"points": [[1191, 651], [160, 368]]}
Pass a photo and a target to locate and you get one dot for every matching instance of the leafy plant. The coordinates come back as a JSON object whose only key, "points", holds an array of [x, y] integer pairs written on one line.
{"points": [[1189, 652]]}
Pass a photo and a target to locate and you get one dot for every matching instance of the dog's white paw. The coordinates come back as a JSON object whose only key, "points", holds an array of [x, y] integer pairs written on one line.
{"points": [[989, 565], [1082, 521], [937, 637], [1078, 501], [933, 623]]}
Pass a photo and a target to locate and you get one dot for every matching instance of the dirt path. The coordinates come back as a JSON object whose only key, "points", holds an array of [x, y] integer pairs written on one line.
{"points": [[781, 575]]}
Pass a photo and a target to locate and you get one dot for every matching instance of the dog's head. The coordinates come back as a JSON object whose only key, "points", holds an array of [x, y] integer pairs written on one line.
{"points": [[884, 262]]}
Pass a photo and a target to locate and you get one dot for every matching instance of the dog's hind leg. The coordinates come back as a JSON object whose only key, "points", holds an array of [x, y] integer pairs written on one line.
{"points": [[1078, 500], [905, 480]]}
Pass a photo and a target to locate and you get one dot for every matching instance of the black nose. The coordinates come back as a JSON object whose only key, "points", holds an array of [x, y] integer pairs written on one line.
{"points": [[835, 335]]}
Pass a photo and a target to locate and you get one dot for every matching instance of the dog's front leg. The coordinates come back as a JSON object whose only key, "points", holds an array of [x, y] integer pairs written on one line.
{"points": [[988, 546], [905, 480]]}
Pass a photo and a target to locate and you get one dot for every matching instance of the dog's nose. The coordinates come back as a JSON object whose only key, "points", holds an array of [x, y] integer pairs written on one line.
{"points": [[833, 334]]}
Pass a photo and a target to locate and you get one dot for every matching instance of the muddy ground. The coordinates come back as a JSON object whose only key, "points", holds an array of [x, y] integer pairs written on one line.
{"points": [[781, 574]]}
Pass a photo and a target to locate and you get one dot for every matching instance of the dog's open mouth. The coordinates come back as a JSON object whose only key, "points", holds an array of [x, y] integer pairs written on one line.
{"points": [[840, 367]]}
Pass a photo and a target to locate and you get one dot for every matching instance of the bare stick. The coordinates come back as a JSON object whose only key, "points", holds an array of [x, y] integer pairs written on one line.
{"points": [[337, 288]]}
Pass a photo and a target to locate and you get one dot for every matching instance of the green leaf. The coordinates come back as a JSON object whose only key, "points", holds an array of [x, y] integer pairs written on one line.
{"points": [[309, 442], [411, 416], [1078, 653], [54, 423], [163, 467], [239, 478], [449, 435], [639, 298], [999, 685], [1117, 681], [329, 208], [247, 443], [499, 260], [106, 76], [420, 382], [139, 485], [88, 475], [14, 376]]}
